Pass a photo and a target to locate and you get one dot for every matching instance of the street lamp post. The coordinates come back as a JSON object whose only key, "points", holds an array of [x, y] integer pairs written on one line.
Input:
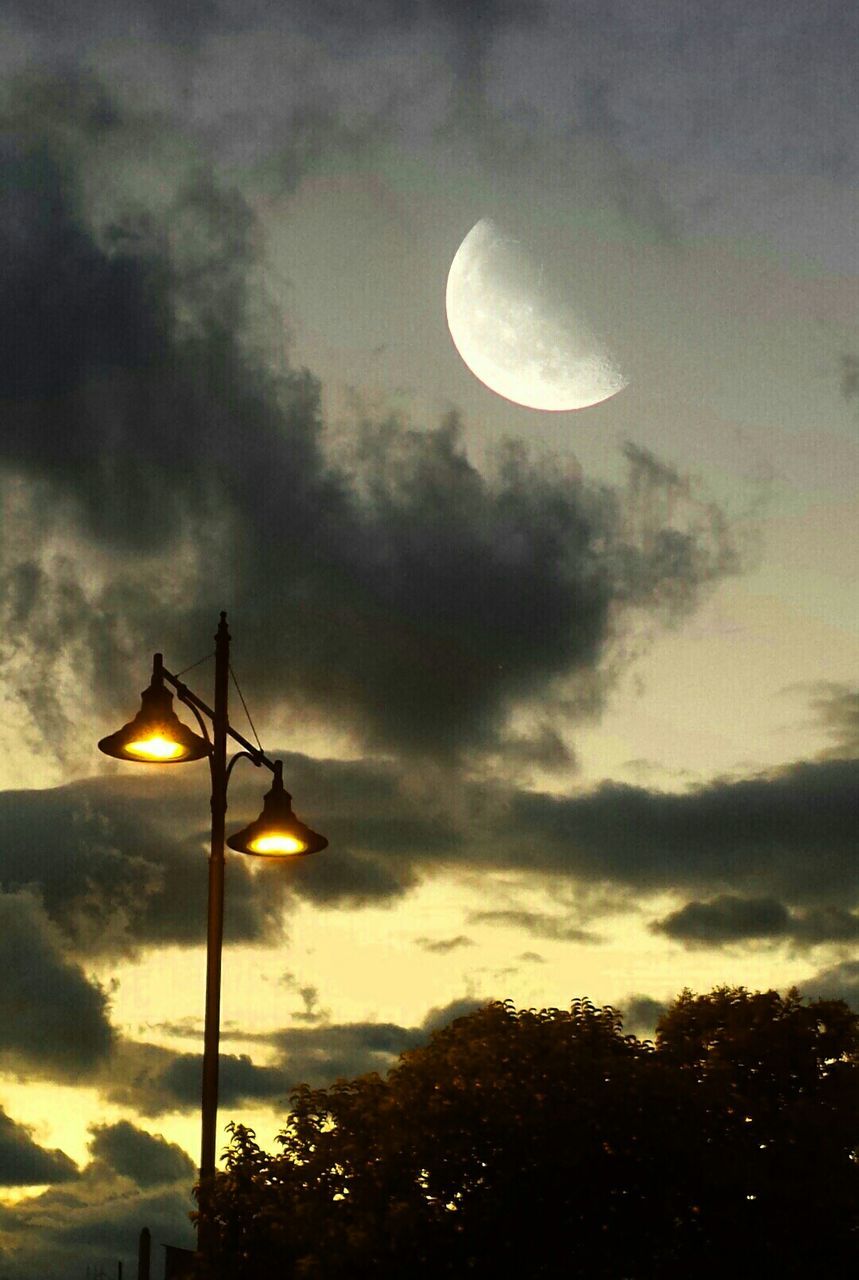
{"points": [[157, 736]]}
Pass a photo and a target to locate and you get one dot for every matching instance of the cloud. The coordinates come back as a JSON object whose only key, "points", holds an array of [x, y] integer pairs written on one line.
{"points": [[94, 1221], [537, 923], [836, 708], [837, 982], [730, 918], [849, 380], [443, 946], [24, 1163], [112, 1229], [438, 597], [95, 1215], [786, 833], [147, 1159], [122, 866], [319, 1055], [153, 1081], [311, 1011], [727, 918], [441, 1016], [53, 1020], [641, 1013], [119, 862]]}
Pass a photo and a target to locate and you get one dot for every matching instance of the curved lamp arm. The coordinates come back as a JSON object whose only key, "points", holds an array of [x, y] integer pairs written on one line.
{"points": [[254, 758], [182, 692]]}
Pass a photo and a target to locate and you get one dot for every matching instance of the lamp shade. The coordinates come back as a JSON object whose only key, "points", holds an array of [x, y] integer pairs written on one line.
{"points": [[277, 833], [156, 735]]}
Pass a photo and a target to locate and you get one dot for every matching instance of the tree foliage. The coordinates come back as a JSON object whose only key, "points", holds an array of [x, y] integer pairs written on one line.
{"points": [[551, 1142]]}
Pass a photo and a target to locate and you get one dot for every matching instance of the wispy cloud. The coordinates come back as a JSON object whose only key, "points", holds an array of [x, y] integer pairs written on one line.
{"points": [[443, 946], [538, 923]]}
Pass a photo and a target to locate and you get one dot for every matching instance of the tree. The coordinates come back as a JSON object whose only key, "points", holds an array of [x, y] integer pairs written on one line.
{"points": [[551, 1142]]}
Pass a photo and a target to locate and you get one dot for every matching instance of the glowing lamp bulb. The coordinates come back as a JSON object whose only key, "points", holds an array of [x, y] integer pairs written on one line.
{"points": [[277, 842], [155, 748]]}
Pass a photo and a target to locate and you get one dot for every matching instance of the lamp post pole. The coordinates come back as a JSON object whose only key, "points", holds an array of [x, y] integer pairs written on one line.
{"points": [[214, 935], [157, 736]]}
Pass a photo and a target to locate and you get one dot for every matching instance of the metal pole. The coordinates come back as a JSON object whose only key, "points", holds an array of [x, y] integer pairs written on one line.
{"points": [[214, 939]]}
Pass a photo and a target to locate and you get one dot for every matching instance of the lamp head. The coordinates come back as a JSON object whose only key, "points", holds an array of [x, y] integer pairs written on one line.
{"points": [[277, 833], [156, 735]]}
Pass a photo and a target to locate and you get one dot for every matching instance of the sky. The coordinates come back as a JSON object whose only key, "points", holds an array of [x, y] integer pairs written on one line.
{"points": [[573, 696]]}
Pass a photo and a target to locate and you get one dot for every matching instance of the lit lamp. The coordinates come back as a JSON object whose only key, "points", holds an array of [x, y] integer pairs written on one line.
{"points": [[277, 833], [156, 735]]}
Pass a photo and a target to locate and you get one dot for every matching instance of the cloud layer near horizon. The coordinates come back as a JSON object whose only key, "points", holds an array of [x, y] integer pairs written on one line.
{"points": [[133, 1179], [103, 863]]}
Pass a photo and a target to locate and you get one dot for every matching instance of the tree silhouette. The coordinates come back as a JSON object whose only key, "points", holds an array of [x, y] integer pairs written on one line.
{"points": [[550, 1142]]}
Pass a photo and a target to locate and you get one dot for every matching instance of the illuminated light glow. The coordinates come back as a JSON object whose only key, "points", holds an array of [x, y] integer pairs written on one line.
{"points": [[277, 843], [156, 748], [513, 338]]}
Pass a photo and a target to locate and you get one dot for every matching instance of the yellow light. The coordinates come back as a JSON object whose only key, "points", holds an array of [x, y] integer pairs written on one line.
{"points": [[155, 748], [277, 843]]}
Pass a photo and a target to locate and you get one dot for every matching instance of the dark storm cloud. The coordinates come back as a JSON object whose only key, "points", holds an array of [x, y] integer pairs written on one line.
{"points": [[153, 1081], [319, 1055], [117, 868], [119, 862], [145, 1158], [727, 918], [24, 1163], [410, 599], [52, 1018], [730, 918], [789, 834]]}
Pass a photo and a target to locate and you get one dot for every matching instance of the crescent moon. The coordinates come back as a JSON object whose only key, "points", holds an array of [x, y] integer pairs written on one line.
{"points": [[513, 338]]}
